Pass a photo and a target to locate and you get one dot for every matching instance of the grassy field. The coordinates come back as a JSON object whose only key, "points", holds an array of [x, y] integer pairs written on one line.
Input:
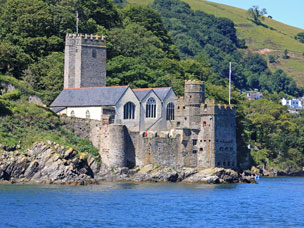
{"points": [[276, 36]]}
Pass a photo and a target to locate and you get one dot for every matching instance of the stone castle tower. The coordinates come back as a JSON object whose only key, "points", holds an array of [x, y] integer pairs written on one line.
{"points": [[208, 129], [194, 96], [84, 61]]}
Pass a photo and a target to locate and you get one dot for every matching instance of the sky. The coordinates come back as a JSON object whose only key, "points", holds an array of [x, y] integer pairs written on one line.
{"points": [[290, 12]]}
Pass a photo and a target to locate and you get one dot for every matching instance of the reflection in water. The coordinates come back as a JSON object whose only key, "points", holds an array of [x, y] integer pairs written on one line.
{"points": [[274, 202]]}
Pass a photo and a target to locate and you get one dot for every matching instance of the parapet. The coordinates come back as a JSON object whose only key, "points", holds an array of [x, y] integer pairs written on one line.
{"points": [[212, 107], [194, 82], [85, 39]]}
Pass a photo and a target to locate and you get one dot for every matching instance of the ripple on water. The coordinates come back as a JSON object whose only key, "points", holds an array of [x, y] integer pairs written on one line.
{"points": [[274, 202]]}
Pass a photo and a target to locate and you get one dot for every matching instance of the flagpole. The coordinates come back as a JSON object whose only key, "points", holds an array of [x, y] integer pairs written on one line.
{"points": [[77, 20], [230, 83]]}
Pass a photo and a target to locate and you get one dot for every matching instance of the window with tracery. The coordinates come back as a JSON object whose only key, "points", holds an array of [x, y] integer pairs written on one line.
{"points": [[170, 111], [129, 111], [151, 108]]}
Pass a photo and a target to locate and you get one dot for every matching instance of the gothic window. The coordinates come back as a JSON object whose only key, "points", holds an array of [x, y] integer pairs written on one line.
{"points": [[72, 113], [88, 116], [129, 110], [151, 108], [204, 124], [94, 53], [170, 111]]}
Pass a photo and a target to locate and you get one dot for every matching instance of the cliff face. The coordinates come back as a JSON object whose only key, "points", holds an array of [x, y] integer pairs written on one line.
{"points": [[43, 163], [51, 163]]}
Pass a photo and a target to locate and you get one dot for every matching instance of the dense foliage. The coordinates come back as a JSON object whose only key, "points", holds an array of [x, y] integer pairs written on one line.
{"points": [[23, 123], [200, 35]]}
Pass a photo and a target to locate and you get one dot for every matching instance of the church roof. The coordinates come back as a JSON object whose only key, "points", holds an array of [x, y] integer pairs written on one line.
{"points": [[141, 94], [161, 92], [89, 96]]}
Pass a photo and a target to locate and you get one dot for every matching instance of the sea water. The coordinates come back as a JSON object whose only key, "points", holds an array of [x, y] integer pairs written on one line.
{"points": [[273, 202]]}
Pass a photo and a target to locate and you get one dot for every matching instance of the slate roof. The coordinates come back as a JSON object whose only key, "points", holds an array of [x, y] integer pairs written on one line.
{"points": [[57, 109], [160, 92], [90, 96], [141, 93]]}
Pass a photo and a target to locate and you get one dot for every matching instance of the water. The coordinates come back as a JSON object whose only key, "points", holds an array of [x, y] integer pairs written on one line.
{"points": [[274, 202]]}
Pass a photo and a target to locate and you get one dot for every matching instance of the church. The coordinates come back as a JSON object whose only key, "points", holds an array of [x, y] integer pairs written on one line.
{"points": [[86, 95], [141, 126]]}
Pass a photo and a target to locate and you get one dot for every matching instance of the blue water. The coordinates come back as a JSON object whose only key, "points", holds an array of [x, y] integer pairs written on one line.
{"points": [[274, 202]]}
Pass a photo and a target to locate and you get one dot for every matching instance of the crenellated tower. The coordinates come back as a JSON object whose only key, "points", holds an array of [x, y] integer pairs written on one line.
{"points": [[84, 61]]}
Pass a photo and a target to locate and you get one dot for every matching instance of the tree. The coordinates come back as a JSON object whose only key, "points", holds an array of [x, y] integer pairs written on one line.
{"points": [[47, 75], [271, 59], [285, 55], [300, 37], [256, 14]]}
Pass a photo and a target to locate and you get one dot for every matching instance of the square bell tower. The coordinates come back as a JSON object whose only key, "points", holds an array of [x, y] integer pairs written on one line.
{"points": [[85, 59]]}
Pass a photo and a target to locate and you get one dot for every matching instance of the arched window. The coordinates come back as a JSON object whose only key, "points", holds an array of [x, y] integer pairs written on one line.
{"points": [[72, 113], [88, 116], [170, 111], [94, 53], [151, 108], [129, 111]]}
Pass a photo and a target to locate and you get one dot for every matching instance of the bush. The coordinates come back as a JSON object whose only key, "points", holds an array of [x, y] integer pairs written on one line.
{"points": [[271, 59], [14, 95]]}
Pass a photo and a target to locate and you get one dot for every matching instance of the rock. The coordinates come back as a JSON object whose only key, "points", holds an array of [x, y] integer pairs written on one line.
{"points": [[51, 163], [156, 173], [70, 153], [41, 163]]}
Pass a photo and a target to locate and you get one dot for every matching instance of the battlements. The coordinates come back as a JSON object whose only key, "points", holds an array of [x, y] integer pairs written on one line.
{"points": [[193, 82], [212, 107], [84, 61], [85, 39]]}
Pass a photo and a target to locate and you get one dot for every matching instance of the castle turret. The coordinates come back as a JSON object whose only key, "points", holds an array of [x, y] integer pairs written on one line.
{"points": [[217, 138], [194, 92], [84, 61], [193, 98]]}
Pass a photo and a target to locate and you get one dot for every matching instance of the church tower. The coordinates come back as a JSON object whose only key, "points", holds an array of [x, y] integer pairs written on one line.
{"points": [[85, 59]]}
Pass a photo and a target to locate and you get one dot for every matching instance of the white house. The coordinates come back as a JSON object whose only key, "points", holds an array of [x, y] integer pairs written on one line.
{"points": [[292, 103]]}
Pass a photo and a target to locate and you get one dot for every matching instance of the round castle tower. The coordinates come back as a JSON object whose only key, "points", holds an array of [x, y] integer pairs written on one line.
{"points": [[194, 92], [114, 148]]}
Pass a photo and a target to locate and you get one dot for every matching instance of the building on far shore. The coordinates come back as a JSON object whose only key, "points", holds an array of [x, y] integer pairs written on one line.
{"points": [[293, 103], [254, 95], [136, 127]]}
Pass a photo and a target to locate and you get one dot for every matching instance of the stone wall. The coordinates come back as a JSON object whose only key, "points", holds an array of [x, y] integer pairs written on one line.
{"points": [[213, 145], [84, 128], [156, 150]]}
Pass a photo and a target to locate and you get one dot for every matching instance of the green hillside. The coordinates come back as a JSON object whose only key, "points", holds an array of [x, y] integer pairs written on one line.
{"points": [[266, 41]]}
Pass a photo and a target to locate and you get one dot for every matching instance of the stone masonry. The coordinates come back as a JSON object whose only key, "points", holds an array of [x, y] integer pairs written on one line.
{"points": [[201, 135], [84, 61]]}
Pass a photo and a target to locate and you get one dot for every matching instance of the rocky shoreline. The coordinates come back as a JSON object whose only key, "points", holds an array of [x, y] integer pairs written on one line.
{"points": [[50, 163]]}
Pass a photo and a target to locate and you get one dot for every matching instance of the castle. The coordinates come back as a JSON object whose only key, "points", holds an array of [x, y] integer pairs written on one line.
{"points": [[142, 126]]}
